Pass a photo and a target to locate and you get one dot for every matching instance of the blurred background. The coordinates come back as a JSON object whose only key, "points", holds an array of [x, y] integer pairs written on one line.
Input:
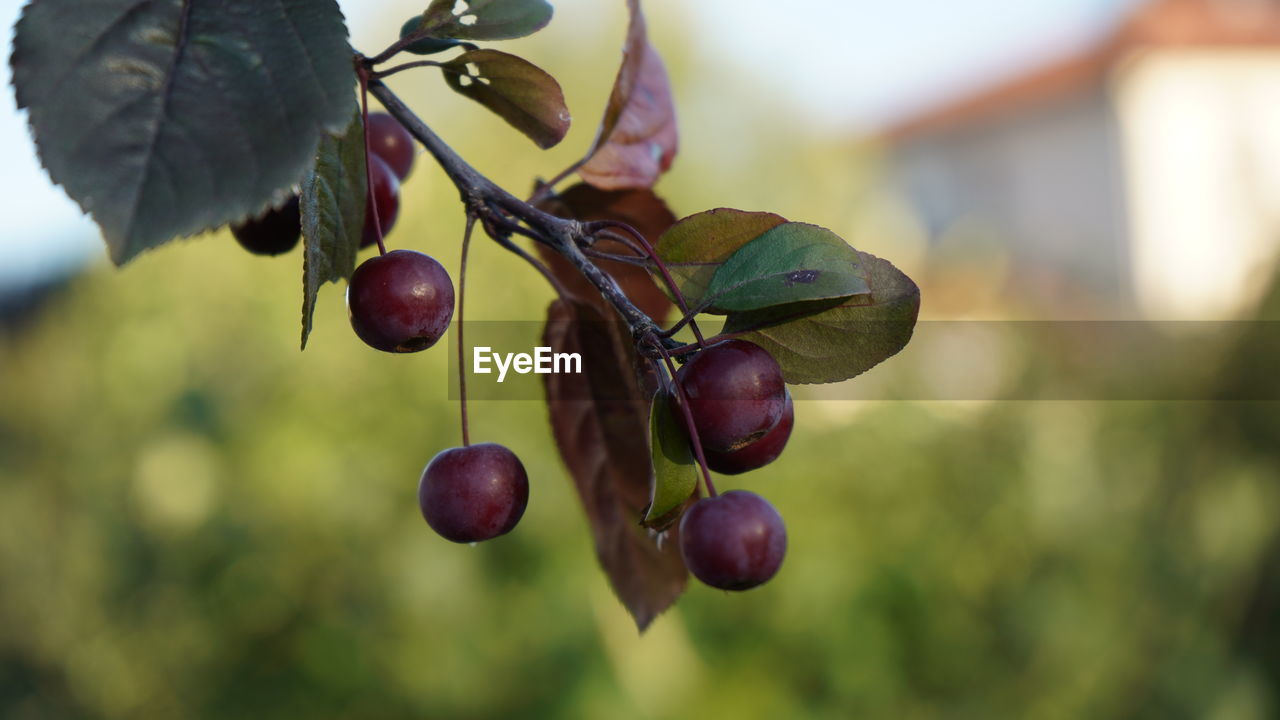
{"points": [[197, 520]]}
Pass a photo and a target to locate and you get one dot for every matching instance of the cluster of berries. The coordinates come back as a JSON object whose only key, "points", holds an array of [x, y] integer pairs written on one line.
{"points": [[402, 301]]}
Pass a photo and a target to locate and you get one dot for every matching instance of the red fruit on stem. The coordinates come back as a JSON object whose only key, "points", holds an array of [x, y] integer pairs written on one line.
{"points": [[757, 453], [400, 302], [473, 493], [390, 141], [736, 394], [734, 541]]}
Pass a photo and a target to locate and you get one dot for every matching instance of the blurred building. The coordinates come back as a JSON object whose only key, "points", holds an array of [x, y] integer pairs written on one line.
{"points": [[1142, 171]]}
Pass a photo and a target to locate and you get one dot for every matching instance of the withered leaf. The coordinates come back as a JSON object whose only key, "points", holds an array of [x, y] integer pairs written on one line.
{"points": [[601, 425]]}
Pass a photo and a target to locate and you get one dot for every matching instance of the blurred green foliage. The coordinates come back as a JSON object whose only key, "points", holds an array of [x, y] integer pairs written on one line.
{"points": [[197, 520]]}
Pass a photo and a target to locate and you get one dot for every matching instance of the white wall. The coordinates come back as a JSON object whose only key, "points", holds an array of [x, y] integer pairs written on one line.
{"points": [[1201, 133], [1046, 180]]}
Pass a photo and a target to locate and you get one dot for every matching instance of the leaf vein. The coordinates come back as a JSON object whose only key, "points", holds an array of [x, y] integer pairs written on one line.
{"points": [[166, 95], [311, 63]]}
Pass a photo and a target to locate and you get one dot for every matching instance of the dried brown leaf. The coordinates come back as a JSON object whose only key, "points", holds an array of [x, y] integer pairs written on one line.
{"points": [[601, 425], [638, 137]]}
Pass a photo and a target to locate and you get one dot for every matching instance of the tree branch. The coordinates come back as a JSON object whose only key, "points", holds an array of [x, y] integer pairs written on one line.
{"points": [[486, 200]]}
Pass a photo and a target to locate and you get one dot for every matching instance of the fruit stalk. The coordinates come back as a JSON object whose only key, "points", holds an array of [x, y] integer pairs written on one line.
{"points": [[683, 402], [462, 296], [662, 269], [363, 75]]}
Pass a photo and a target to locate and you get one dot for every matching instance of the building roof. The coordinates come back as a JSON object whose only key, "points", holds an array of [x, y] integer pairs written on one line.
{"points": [[1155, 24]]}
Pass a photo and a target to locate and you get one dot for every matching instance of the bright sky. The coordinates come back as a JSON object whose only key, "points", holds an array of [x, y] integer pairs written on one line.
{"points": [[842, 63]]}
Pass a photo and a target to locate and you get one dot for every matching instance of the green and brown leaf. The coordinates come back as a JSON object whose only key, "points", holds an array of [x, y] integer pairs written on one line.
{"points": [[829, 341], [515, 89], [485, 19]]}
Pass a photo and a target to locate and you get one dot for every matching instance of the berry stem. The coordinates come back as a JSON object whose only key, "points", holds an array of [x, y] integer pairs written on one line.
{"points": [[409, 66], [503, 237], [641, 256], [662, 270], [687, 319], [462, 296], [694, 441], [632, 260], [682, 350], [363, 74], [545, 190]]}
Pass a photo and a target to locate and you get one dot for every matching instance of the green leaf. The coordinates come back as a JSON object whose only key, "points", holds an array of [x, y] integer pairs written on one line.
{"points": [[675, 472], [486, 19], [833, 340], [427, 45], [793, 262], [165, 118], [333, 207], [515, 89], [694, 248]]}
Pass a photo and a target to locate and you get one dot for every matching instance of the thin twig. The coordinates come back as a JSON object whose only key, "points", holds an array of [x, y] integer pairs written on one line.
{"points": [[462, 366], [671, 331], [509, 226], [399, 45], [682, 349], [505, 241], [407, 66], [683, 402], [625, 259], [546, 189], [371, 201], [662, 269], [624, 240]]}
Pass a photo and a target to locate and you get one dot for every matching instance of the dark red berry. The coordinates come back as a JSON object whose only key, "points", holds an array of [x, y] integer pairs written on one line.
{"points": [[390, 141], [758, 453], [401, 301], [473, 493], [736, 394], [274, 233], [386, 192], [733, 541]]}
